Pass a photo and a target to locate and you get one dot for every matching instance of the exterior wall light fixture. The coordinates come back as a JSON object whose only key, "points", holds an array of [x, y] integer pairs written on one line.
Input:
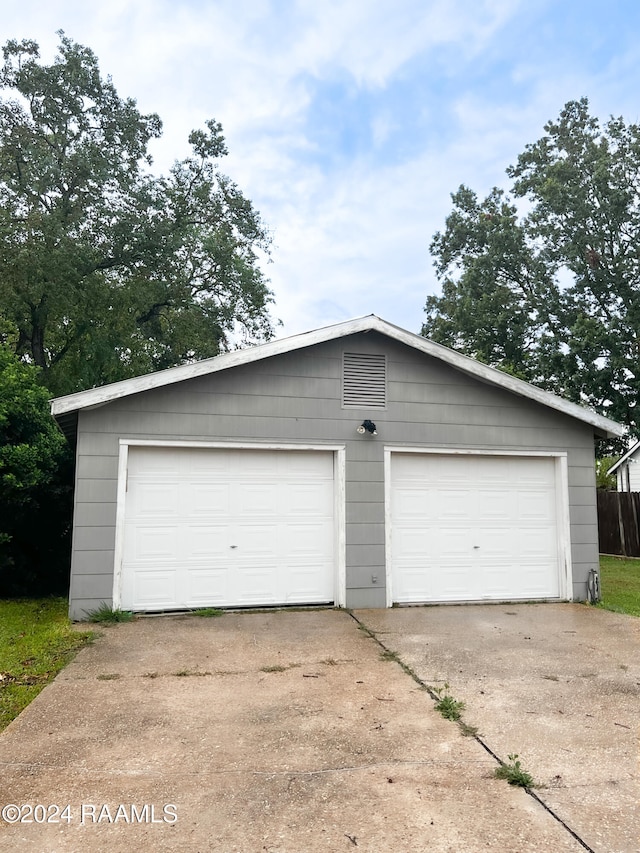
{"points": [[367, 426]]}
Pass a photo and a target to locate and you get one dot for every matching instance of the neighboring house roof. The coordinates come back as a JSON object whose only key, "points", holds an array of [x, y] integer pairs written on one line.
{"points": [[107, 393], [628, 455]]}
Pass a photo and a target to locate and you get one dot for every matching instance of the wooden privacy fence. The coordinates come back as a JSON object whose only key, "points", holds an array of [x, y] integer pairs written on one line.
{"points": [[618, 528]]}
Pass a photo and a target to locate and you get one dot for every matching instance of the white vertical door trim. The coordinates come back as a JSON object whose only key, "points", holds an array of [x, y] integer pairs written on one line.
{"points": [[388, 532], [118, 555], [563, 526], [340, 502]]}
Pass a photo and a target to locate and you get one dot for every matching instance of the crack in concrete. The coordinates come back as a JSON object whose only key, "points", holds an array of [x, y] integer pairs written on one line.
{"points": [[394, 764], [394, 656]]}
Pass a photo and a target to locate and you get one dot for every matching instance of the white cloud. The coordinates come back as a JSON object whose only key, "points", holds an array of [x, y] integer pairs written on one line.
{"points": [[437, 92]]}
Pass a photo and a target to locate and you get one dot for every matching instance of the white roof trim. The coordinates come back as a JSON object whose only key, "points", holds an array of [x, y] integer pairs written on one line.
{"points": [[107, 393], [630, 452]]}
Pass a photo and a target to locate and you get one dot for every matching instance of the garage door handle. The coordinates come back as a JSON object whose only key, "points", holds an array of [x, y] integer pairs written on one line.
{"points": [[233, 546], [476, 547]]}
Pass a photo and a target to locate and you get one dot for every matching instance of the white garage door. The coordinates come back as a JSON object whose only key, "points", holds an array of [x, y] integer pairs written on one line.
{"points": [[222, 527], [473, 528]]}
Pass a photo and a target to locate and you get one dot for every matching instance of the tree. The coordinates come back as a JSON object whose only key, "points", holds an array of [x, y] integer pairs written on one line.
{"points": [[552, 294], [605, 480], [35, 486], [106, 270]]}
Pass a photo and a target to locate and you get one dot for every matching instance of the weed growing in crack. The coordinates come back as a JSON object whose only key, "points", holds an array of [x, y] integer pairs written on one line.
{"points": [[185, 673], [387, 654], [450, 708], [514, 774]]}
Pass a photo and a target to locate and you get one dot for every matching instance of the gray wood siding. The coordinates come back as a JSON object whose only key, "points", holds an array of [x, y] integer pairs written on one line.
{"points": [[297, 398]]}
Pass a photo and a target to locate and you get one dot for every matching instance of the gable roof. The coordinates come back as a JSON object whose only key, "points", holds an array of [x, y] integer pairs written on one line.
{"points": [[370, 323], [630, 452]]}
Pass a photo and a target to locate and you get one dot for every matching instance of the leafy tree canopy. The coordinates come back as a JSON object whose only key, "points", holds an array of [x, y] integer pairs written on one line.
{"points": [[544, 280], [106, 270], [36, 466]]}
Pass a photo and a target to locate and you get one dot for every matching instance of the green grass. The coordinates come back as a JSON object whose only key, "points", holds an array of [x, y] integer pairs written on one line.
{"points": [[107, 616], [208, 612], [36, 642], [620, 584]]}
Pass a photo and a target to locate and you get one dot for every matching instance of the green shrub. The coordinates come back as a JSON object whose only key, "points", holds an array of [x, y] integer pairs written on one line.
{"points": [[36, 487]]}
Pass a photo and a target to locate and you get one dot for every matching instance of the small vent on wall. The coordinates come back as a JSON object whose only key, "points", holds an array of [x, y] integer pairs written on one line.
{"points": [[364, 381]]}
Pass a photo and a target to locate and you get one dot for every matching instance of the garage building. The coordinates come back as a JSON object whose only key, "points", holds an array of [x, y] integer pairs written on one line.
{"points": [[358, 465]]}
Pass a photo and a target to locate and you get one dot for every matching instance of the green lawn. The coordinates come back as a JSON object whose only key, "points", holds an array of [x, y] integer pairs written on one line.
{"points": [[620, 584], [36, 641]]}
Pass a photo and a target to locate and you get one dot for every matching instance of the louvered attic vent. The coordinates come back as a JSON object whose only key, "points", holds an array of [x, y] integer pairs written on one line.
{"points": [[364, 381]]}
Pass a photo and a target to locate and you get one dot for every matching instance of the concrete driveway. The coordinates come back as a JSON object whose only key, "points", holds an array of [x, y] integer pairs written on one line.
{"points": [[294, 732]]}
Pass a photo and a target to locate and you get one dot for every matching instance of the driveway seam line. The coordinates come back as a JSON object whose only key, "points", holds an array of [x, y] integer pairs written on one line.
{"points": [[410, 672]]}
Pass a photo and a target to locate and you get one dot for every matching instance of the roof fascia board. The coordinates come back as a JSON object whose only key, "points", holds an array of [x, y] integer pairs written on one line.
{"points": [[95, 397], [630, 452], [99, 396], [504, 380]]}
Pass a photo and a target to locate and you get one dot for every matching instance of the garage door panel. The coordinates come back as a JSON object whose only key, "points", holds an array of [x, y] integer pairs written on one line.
{"points": [[227, 528], [536, 543], [415, 583], [306, 586], [248, 499], [151, 499], [494, 470], [202, 465], [252, 539], [153, 465], [415, 502], [452, 504], [306, 466], [254, 584], [536, 581], [492, 543], [151, 542], [306, 539], [534, 471], [413, 543], [536, 506], [206, 587], [155, 588], [203, 541], [441, 472], [452, 542], [205, 500], [454, 580], [307, 499], [494, 505], [484, 527], [497, 582]]}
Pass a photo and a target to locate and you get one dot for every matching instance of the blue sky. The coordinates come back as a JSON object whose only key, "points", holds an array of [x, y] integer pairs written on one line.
{"points": [[350, 123]]}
